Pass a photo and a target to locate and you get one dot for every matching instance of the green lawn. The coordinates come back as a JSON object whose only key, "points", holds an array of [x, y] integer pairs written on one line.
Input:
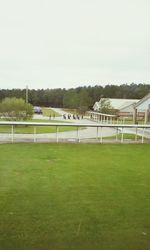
{"points": [[125, 136], [39, 129], [49, 111], [130, 121], [74, 197]]}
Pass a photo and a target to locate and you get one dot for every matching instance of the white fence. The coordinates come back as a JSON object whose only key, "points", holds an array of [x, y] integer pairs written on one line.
{"points": [[94, 133]]}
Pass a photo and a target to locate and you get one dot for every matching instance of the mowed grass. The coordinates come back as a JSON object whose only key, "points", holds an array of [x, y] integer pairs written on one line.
{"points": [[74, 197], [126, 136], [49, 111], [39, 129]]}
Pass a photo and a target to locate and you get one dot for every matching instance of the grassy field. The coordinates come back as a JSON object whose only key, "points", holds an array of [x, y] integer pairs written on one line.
{"points": [[39, 129], [49, 111], [126, 136], [74, 197], [126, 121]]}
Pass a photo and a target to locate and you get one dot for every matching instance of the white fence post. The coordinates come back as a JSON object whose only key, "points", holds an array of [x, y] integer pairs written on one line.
{"points": [[12, 133], [57, 134], [78, 138], [98, 128], [136, 135], [97, 133], [117, 134], [122, 135], [34, 134], [143, 135], [101, 136]]}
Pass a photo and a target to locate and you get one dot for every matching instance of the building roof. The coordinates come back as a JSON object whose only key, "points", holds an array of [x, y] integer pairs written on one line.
{"points": [[146, 97], [131, 105], [118, 103]]}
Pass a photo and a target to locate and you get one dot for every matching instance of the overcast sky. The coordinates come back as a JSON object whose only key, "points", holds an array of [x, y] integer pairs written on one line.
{"points": [[70, 43]]}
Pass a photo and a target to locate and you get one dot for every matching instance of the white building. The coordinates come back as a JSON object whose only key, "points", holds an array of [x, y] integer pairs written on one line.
{"points": [[124, 107], [128, 107], [142, 108]]}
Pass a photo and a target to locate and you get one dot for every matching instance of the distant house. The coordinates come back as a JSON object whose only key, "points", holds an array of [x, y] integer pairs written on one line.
{"points": [[123, 107]]}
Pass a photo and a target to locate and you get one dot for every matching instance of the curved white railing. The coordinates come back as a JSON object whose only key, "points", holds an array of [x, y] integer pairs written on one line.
{"points": [[137, 129]]}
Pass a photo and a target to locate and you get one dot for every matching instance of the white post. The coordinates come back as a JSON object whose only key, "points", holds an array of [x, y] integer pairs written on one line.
{"points": [[122, 135], [136, 134], [143, 135], [34, 134], [78, 139], [12, 133], [116, 134], [101, 137], [97, 133], [103, 119], [146, 116], [27, 94], [56, 133]]}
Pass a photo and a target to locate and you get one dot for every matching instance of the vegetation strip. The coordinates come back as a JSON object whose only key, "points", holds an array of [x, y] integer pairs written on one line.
{"points": [[56, 196]]}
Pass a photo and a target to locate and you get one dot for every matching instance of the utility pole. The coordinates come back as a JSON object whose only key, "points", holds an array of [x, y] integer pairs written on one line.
{"points": [[26, 93]]}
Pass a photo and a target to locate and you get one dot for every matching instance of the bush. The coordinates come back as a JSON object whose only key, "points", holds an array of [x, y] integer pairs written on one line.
{"points": [[15, 109]]}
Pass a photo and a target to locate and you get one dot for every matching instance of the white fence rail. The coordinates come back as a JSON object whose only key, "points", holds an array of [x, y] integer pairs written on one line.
{"points": [[94, 133]]}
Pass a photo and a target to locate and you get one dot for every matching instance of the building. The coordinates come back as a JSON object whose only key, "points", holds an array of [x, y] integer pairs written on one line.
{"points": [[126, 111], [134, 108], [142, 109], [123, 107]]}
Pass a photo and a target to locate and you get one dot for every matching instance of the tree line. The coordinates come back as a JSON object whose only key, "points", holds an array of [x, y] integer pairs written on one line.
{"points": [[81, 98]]}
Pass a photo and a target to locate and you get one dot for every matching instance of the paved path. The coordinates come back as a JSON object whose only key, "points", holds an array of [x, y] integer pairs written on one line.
{"points": [[85, 133], [61, 118]]}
